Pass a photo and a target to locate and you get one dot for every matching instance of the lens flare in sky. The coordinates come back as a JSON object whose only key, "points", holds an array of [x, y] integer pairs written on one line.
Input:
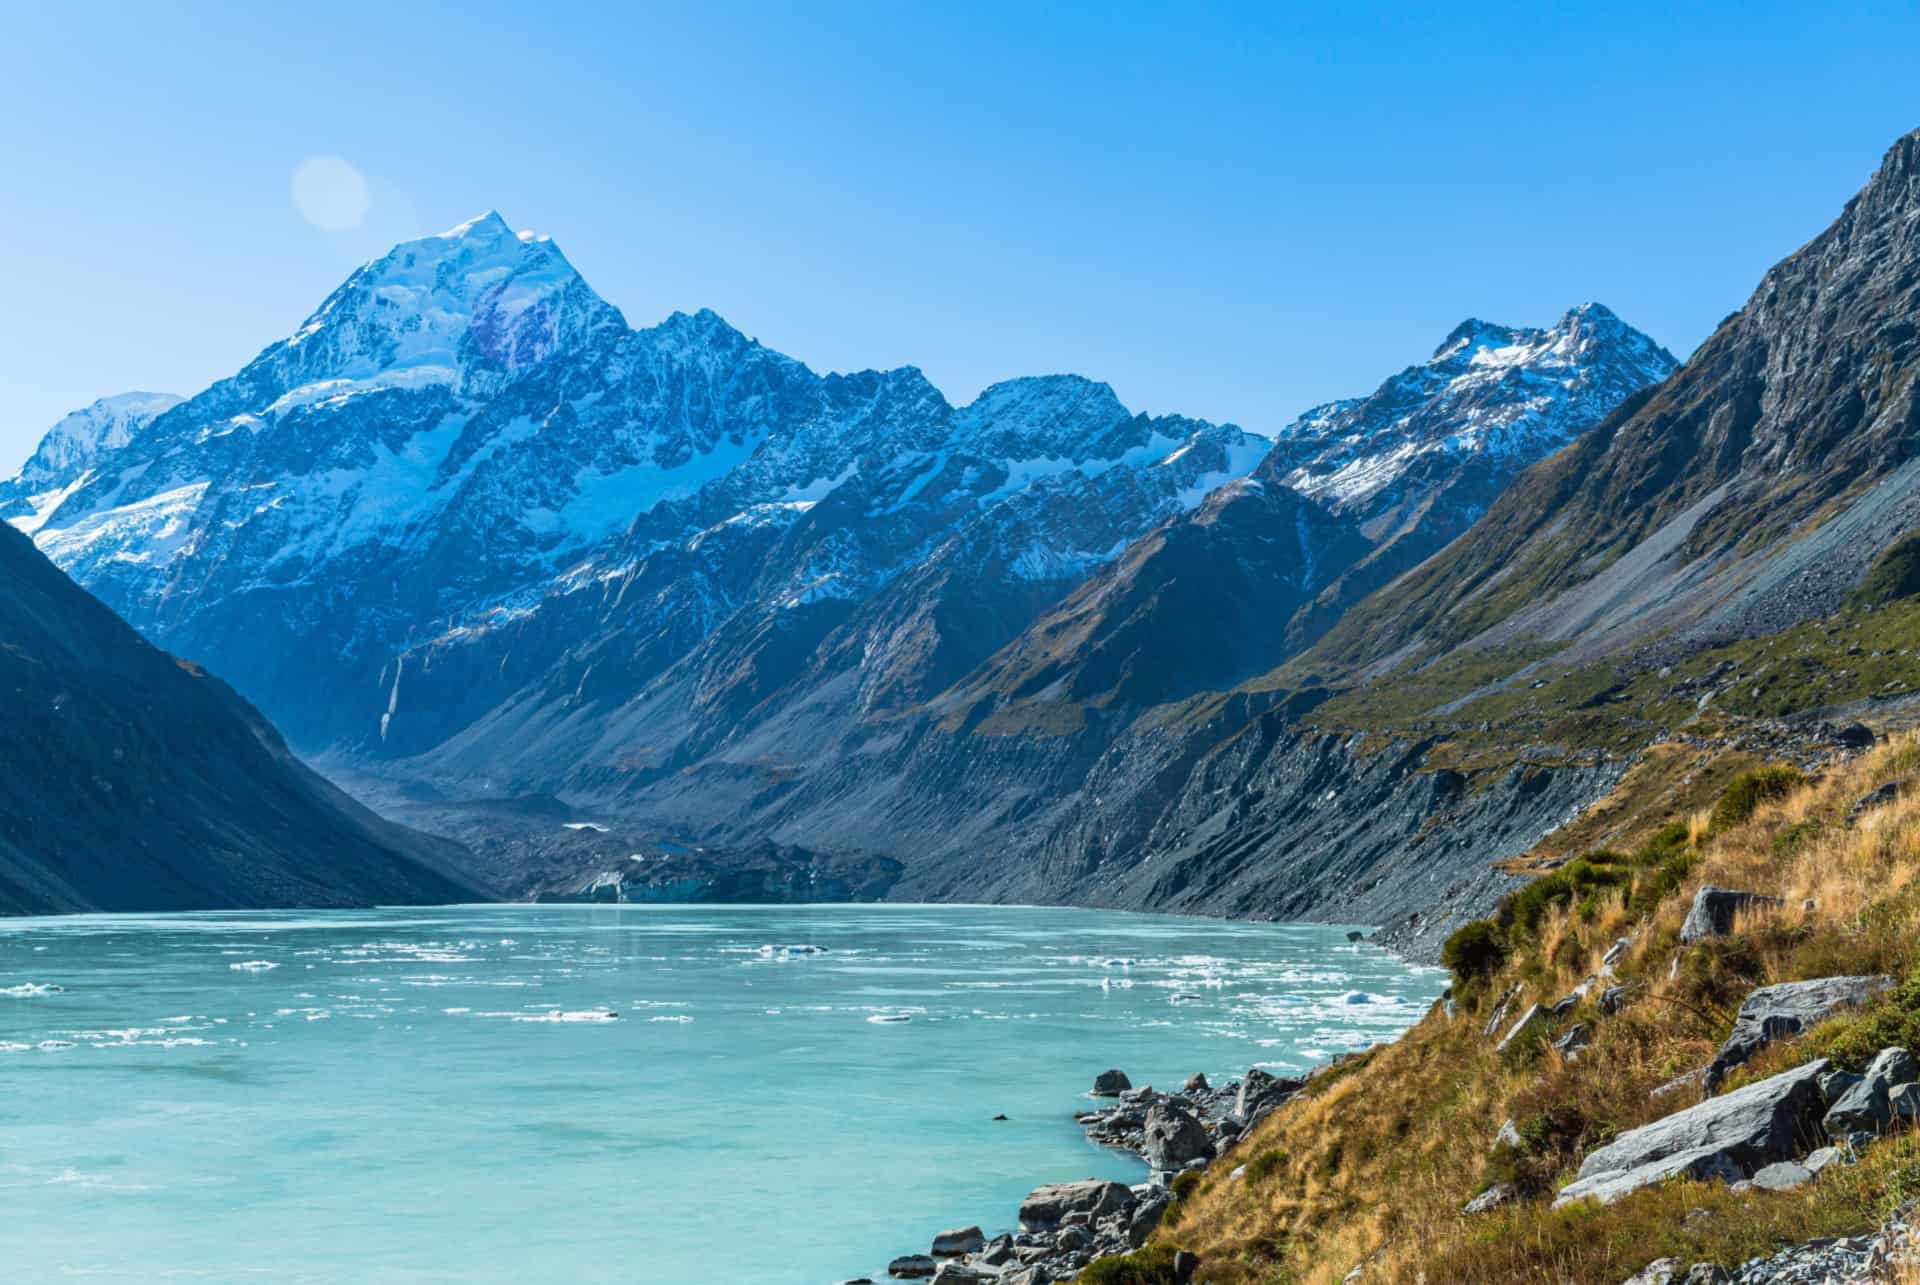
{"points": [[330, 194]]}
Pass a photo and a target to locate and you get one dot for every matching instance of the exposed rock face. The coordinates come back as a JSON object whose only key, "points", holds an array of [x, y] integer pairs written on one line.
{"points": [[1780, 1012], [1417, 462], [1050, 1205], [1782, 1175], [1867, 1106], [1534, 1015], [1728, 1137], [1111, 1083], [960, 1240], [1501, 1193], [1174, 1137], [137, 782], [912, 1266], [1714, 910], [1688, 509]]}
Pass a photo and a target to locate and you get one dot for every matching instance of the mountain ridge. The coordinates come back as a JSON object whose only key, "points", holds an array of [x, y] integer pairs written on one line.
{"points": [[465, 528], [138, 782]]}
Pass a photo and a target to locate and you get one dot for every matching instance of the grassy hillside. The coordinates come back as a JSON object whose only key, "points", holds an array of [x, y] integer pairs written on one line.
{"points": [[1373, 1163]]}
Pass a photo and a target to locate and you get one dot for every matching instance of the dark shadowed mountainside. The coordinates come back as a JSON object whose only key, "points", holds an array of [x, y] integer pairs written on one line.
{"points": [[137, 782]]}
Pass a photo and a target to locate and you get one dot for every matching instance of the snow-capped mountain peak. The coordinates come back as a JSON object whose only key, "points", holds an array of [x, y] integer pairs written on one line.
{"points": [[69, 449], [479, 294], [1513, 394], [1054, 416], [105, 425]]}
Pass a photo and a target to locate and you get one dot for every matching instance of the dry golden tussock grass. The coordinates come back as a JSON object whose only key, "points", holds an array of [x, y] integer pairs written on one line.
{"points": [[1377, 1158]]}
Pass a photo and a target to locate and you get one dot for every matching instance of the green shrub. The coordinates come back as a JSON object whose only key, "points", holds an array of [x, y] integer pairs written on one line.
{"points": [[1652, 887], [1746, 792], [1474, 952], [1521, 911], [1184, 1183], [1852, 1039], [1265, 1165], [1150, 1266], [1669, 841]]}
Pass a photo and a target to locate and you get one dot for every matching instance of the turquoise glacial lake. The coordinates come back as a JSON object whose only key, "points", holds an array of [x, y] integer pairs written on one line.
{"points": [[788, 1095]]}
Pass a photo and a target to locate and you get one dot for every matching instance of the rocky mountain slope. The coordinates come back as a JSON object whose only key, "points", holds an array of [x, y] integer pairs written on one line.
{"points": [[1352, 494], [466, 528], [1631, 587], [1753, 489], [136, 781], [464, 440]]}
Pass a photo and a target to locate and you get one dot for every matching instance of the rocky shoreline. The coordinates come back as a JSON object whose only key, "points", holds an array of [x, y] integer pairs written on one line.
{"points": [[1062, 1228]]}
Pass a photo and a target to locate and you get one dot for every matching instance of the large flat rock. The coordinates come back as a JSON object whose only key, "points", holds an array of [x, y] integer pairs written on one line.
{"points": [[1780, 1012], [1726, 1137]]}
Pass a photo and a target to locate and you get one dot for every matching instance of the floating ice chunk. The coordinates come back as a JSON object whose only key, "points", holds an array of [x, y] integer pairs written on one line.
{"points": [[26, 989], [563, 1015], [890, 1019], [253, 966], [792, 952]]}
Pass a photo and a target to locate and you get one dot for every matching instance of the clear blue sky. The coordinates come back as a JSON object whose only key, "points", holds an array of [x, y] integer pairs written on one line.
{"points": [[1232, 212]]}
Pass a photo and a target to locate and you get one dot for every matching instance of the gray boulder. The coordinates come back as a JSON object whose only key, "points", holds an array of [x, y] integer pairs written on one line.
{"points": [[1779, 1012], [1496, 1020], [958, 1271], [1047, 1206], [958, 1241], [1509, 1135], [1878, 797], [1726, 1137], [1661, 1271], [1111, 1084], [1834, 1084], [1145, 1217], [1174, 1138], [1260, 1093], [1576, 1038], [1196, 1083], [1493, 1197], [1667, 1271], [912, 1266], [1824, 1158], [1252, 1088], [1714, 910], [1519, 1028], [1867, 1106], [1782, 1175]]}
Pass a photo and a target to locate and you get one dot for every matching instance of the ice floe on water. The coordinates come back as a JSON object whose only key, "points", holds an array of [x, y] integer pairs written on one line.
{"points": [[26, 990], [568, 1015], [253, 966]]}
